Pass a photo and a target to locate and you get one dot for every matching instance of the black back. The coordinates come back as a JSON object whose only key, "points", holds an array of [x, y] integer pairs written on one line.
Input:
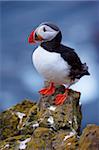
{"points": [[69, 55]]}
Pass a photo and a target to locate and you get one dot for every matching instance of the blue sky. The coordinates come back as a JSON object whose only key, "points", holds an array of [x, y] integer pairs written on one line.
{"points": [[79, 22]]}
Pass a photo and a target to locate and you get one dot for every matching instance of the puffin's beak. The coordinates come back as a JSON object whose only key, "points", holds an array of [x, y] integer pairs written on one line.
{"points": [[31, 38], [34, 37]]}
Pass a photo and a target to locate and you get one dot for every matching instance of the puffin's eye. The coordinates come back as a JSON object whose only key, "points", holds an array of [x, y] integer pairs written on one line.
{"points": [[44, 29]]}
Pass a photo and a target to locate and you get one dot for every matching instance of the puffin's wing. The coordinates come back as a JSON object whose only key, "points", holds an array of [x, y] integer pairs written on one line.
{"points": [[71, 57], [77, 68]]}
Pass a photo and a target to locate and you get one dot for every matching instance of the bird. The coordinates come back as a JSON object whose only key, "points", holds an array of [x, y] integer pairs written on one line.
{"points": [[57, 63]]}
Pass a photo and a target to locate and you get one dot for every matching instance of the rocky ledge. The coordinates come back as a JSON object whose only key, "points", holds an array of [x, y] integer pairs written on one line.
{"points": [[44, 126]]}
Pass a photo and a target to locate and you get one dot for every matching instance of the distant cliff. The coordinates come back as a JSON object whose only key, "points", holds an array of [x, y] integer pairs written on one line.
{"points": [[44, 126]]}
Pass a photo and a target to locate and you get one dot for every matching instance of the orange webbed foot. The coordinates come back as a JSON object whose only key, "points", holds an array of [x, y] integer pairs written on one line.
{"points": [[48, 91], [60, 98]]}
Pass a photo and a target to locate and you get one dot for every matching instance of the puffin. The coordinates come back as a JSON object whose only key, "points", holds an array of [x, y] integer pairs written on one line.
{"points": [[57, 63]]}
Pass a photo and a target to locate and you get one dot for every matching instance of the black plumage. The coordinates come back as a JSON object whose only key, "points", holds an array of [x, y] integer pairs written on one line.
{"points": [[78, 69]]}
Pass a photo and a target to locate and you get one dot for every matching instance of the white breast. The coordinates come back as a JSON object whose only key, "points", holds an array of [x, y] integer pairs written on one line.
{"points": [[51, 65]]}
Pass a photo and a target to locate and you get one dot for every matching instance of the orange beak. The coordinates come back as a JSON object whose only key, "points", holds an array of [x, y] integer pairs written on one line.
{"points": [[34, 37], [31, 38]]}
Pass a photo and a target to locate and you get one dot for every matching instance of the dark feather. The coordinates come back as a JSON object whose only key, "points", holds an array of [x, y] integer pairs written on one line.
{"points": [[69, 55], [77, 68]]}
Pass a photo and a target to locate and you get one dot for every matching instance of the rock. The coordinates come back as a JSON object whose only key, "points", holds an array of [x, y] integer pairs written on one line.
{"points": [[11, 119], [65, 140], [89, 139], [13, 143], [41, 139], [64, 116], [42, 125]]}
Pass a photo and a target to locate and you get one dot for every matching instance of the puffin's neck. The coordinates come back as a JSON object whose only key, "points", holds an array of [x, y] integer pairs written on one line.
{"points": [[52, 45]]}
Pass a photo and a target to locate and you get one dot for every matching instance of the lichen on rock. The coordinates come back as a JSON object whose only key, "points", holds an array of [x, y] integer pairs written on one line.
{"points": [[44, 126], [89, 139]]}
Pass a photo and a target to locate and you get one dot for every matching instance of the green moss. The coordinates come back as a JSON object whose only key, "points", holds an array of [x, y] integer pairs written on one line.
{"points": [[8, 124], [32, 114], [9, 121], [42, 138], [43, 132], [23, 107], [30, 120], [47, 136], [36, 144], [12, 141]]}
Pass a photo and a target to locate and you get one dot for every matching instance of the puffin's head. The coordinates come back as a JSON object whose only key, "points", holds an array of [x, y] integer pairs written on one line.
{"points": [[45, 32]]}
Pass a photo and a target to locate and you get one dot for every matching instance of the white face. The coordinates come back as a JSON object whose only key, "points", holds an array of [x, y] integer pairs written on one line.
{"points": [[46, 32]]}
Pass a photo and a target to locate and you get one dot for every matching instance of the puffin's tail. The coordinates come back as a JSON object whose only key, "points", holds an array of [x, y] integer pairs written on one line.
{"points": [[84, 71]]}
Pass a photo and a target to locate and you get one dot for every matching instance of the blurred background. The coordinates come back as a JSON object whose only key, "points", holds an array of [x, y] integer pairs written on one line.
{"points": [[79, 23]]}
